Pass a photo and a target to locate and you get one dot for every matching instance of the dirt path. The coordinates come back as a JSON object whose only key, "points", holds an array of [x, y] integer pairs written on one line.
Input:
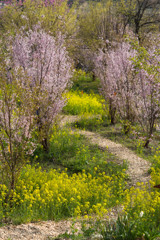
{"points": [[35, 231], [137, 171], [45, 230], [137, 167]]}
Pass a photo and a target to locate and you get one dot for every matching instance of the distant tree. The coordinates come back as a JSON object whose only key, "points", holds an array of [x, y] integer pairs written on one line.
{"points": [[115, 71], [140, 14], [54, 16], [97, 25], [146, 100], [45, 61]]}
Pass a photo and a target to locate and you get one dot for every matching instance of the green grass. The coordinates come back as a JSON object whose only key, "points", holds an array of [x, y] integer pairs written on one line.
{"points": [[101, 123], [84, 82], [120, 229], [115, 133], [74, 152], [91, 123], [74, 179]]}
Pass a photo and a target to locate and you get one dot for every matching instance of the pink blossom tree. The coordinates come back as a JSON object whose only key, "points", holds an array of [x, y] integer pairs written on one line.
{"points": [[45, 61], [115, 71], [16, 122], [130, 83], [147, 95]]}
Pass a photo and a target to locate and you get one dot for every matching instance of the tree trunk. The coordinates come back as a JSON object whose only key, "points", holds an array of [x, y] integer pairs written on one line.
{"points": [[45, 145], [93, 76], [146, 143], [112, 115], [112, 112], [126, 128]]}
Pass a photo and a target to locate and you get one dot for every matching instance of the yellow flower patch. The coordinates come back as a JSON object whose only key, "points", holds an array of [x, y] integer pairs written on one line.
{"points": [[53, 194], [79, 103]]}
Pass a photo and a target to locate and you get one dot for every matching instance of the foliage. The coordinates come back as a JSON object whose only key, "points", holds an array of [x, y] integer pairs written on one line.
{"points": [[80, 103], [130, 84], [54, 17], [142, 205], [89, 122], [147, 93], [88, 229], [142, 15], [35, 71], [96, 25], [119, 229], [54, 195], [122, 229]]}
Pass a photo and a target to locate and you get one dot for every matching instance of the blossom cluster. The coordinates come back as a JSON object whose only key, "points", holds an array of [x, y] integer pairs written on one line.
{"points": [[46, 63]]}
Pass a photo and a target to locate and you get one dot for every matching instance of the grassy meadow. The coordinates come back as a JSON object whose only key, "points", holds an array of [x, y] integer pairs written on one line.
{"points": [[74, 75], [77, 179]]}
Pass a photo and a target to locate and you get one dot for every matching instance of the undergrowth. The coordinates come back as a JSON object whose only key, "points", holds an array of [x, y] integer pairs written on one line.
{"points": [[72, 151], [79, 179]]}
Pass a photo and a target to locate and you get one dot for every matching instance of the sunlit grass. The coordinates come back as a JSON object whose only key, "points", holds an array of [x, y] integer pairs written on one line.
{"points": [[74, 152]]}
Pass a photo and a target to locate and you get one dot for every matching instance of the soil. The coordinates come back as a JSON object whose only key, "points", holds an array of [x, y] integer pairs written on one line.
{"points": [[34, 231], [137, 171]]}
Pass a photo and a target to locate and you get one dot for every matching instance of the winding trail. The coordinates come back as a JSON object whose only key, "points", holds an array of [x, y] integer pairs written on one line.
{"points": [[137, 171], [137, 166]]}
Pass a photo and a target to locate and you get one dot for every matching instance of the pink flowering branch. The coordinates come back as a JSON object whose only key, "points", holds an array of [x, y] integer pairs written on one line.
{"points": [[45, 61], [115, 71]]}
